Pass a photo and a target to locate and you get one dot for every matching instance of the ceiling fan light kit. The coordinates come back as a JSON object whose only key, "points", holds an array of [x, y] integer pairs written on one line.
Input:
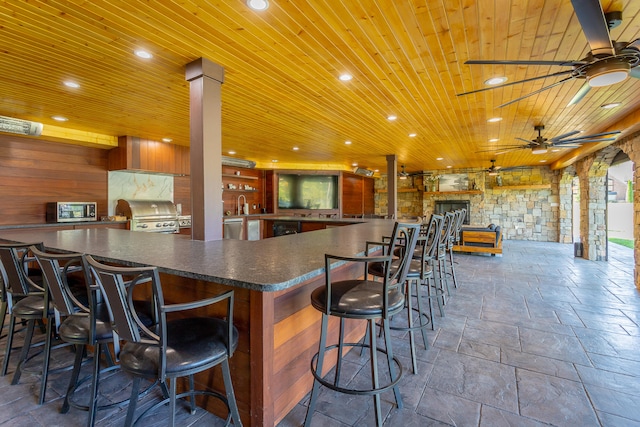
{"points": [[607, 72]]}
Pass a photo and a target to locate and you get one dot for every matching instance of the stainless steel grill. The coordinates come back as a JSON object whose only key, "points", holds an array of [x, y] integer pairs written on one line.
{"points": [[152, 216]]}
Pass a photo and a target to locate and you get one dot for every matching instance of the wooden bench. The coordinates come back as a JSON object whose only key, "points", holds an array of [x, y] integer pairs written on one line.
{"points": [[480, 242]]}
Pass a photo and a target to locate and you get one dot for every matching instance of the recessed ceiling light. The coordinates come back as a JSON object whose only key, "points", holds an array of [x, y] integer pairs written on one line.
{"points": [[376, 170], [274, 161], [59, 118], [610, 105], [412, 135], [167, 139], [232, 152], [555, 150], [354, 164], [542, 161], [494, 119], [495, 81], [440, 158], [296, 148], [258, 4], [347, 143], [392, 117], [345, 77], [449, 166], [494, 140], [71, 84], [143, 54]]}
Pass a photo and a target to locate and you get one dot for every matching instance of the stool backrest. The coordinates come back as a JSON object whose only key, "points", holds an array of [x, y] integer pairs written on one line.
{"points": [[432, 236], [406, 235], [14, 267], [55, 271]]}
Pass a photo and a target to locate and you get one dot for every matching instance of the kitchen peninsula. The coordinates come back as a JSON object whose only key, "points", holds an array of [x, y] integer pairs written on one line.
{"points": [[272, 279]]}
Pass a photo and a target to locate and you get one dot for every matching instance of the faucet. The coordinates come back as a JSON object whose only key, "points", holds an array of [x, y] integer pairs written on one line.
{"points": [[239, 205]]}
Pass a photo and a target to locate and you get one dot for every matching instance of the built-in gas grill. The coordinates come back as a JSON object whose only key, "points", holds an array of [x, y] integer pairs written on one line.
{"points": [[153, 216]]}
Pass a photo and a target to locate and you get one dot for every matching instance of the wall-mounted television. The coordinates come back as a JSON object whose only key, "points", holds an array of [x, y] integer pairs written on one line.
{"points": [[307, 191]]}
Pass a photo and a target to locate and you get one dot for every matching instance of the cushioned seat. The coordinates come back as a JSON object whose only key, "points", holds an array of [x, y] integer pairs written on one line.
{"points": [[175, 345], [370, 300]]}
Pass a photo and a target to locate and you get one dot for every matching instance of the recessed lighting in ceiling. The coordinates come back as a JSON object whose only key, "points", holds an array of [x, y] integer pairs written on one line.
{"points": [[439, 158], [494, 140], [449, 166], [59, 118], [495, 81], [412, 135], [295, 148], [274, 161], [143, 54], [543, 161], [345, 77], [494, 119], [167, 140], [354, 164], [611, 105], [258, 4], [347, 143], [391, 118], [376, 170], [232, 152], [71, 84]]}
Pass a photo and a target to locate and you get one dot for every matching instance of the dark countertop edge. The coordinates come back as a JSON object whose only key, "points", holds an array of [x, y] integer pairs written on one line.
{"points": [[62, 241], [58, 224]]}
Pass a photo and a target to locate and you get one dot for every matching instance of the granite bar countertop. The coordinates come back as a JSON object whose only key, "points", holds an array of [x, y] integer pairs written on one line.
{"points": [[58, 224], [263, 265]]}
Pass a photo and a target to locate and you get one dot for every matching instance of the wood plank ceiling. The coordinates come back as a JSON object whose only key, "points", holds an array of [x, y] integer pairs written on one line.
{"points": [[282, 65]]}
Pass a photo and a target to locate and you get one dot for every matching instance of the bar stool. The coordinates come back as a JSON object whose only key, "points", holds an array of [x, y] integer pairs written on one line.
{"points": [[28, 301], [361, 298], [441, 253], [85, 323], [178, 345]]}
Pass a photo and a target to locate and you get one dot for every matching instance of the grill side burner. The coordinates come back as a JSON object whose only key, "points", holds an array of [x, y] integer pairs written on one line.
{"points": [[151, 216]]}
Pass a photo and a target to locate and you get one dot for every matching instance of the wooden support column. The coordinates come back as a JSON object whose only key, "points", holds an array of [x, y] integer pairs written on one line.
{"points": [[205, 84], [392, 185]]}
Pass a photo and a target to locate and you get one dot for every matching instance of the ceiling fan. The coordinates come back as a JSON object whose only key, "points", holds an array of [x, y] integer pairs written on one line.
{"points": [[540, 144], [494, 170], [402, 174], [607, 63]]}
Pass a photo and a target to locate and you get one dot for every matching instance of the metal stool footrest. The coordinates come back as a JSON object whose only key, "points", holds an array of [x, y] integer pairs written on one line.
{"points": [[360, 392]]}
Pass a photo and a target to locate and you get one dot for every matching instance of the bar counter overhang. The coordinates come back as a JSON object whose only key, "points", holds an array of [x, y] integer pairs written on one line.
{"points": [[272, 279]]}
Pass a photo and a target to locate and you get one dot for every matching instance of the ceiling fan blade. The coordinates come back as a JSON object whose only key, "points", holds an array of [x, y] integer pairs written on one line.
{"points": [[594, 25], [580, 94], [564, 146], [537, 91], [559, 73], [564, 135], [510, 150], [523, 62], [635, 72], [582, 141], [525, 140], [592, 136], [503, 147]]}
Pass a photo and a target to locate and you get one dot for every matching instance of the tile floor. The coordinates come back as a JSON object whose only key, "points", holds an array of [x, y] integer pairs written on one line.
{"points": [[535, 337]]}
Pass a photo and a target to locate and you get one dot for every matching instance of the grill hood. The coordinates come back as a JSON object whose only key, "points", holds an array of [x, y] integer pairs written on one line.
{"points": [[147, 209]]}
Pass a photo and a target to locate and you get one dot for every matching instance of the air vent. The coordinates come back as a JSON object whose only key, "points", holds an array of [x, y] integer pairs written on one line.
{"points": [[231, 161], [21, 127]]}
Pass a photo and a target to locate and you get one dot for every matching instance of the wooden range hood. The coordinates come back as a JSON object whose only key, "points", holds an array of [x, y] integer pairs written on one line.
{"points": [[143, 155]]}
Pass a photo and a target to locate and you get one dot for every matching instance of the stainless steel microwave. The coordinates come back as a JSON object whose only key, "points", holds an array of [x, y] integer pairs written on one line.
{"points": [[71, 211]]}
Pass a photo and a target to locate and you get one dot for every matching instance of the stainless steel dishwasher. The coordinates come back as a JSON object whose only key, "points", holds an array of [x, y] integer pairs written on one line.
{"points": [[232, 228]]}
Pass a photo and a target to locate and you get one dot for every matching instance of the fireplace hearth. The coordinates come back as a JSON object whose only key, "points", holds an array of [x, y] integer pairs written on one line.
{"points": [[443, 206]]}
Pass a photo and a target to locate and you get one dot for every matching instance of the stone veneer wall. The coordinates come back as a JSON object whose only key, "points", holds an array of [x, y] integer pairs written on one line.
{"points": [[523, 214]]}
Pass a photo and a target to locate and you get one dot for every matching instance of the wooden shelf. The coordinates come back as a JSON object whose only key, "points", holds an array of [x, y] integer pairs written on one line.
{"points": [[239, 191], [523, 187], [227, 175], [400, 190], [440, 193]]}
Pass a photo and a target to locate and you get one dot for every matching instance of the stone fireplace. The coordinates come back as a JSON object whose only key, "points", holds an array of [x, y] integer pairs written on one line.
{"points": [[442, 206]]}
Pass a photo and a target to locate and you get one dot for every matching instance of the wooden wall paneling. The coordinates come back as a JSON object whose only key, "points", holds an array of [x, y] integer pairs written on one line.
{"points": [[368, 196], [352, 194], [33, 172]]}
